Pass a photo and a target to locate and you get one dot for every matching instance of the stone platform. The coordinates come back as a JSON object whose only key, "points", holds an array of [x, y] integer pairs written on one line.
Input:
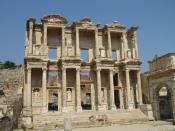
{"points": [[55, 120]]}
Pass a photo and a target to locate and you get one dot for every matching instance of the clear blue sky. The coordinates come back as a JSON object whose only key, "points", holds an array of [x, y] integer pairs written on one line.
{"points": [[155, 18]]}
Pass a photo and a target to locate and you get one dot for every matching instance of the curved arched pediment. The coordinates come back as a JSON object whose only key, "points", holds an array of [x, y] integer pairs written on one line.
{"points": [[54, 19]]}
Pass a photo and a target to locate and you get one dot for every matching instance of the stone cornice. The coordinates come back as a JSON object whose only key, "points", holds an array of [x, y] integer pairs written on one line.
{"points": [[160, 72], [54, 18], [160, 57]]}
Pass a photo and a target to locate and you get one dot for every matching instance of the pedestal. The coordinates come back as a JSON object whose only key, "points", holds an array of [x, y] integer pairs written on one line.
{"points": [[44, 110], [130, 106], [64, 109], [101, 108], [79, 109], [113, 108]]}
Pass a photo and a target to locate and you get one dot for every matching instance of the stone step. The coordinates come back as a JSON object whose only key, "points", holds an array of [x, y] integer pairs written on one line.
{"points": [[56, 120]]}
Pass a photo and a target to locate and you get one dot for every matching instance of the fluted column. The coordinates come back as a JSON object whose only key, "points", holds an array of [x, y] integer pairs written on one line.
{"points": [[121, 89], [64, 89], [109, 44], [139, 88], [96, 44], [78, 91], [99, 88], [77, 43], [45, 35], [124, 45], [128, 88], [44, 82], [112, 104], [30, 37], [29, 89], [136, 46], [63, 42]]}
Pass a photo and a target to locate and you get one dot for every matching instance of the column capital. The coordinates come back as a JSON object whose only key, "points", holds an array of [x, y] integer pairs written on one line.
{"points": [[31, 25], [127, 69], [98, 69], [44, 68], [29, 68], [63, 69], [111, 70], [77, 69]]}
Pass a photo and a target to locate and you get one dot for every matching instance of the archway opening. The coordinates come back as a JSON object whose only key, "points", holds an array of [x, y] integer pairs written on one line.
{"points": [[165, 103]]}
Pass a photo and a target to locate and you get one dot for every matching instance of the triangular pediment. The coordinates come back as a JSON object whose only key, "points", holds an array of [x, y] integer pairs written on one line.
{"points": [[115, 24], [54, 19]]}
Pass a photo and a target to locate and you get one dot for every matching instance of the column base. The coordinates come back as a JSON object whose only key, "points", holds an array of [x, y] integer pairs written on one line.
{"points": [[44, 110], [79, 109], [27, 111], [100, 108], [27, 122], [113, 108], [131, 106], [64, 109]]}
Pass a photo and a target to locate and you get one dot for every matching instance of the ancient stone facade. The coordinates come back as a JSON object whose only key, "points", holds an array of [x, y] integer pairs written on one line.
{"points": [[82, 66], [158, 86]]}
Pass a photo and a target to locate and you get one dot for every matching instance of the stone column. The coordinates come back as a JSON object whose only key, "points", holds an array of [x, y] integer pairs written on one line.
{"points": [[45, 35], [92, 97], [136, 46], [99, 88], [124, 45], [78, 91], [77, 43], [121, 89], [63, 42], [139, 88], [96, 44], [30, 37], [109, 44], [112, 105], [64, 90], [29, 89], [173, 102], [128, 88], [25, 88], [44, 89]]}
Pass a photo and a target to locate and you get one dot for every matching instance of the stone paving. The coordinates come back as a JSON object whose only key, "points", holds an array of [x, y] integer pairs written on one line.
{"points": [[147, 126]]}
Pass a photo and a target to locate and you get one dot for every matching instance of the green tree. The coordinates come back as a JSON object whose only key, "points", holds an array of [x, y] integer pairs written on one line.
{"points": [[8, 65]]}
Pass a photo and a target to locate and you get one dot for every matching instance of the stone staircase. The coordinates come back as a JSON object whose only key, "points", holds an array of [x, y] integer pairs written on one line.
{"points": [[55, 120]]}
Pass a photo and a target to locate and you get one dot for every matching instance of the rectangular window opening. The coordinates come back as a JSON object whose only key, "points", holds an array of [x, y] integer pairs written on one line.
{"points": [[84, 55], [114, 55], [52, 78], [52, 53]]}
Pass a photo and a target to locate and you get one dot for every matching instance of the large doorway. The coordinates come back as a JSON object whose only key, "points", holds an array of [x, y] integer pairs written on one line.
{"points": [[53, 100], [86, 97], [117, 98], [165, 103]]}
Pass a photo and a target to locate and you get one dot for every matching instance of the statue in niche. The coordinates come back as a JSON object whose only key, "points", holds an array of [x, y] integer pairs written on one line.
{"points": [[69, 94], [36, 92]]}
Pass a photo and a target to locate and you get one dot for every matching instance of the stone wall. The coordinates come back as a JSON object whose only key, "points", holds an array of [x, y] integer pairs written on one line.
{"points": [[11, 83]]}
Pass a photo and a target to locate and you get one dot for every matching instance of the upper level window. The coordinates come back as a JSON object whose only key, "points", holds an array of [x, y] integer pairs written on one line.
{"points": [[114, 55], [52, 53], [84, 55]]}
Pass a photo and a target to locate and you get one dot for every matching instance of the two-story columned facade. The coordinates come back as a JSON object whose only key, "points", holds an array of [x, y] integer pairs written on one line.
{"points": [[80, 66]]}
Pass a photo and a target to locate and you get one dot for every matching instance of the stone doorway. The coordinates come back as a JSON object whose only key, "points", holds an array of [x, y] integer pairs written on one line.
{"points": [[165, 103], [86, 97], [117, 98], [52, 100]]}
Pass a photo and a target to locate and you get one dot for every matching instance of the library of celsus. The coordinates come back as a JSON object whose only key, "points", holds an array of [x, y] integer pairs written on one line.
{"points": [[79, 66]]}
